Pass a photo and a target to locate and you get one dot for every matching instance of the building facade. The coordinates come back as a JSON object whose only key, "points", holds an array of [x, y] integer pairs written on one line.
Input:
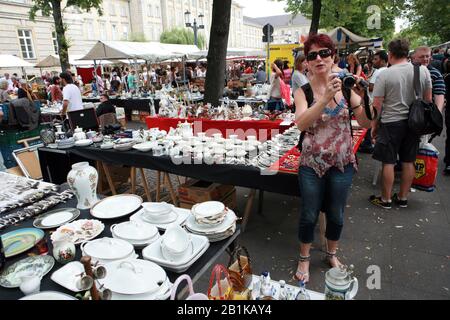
{"points": [[128, 19]]}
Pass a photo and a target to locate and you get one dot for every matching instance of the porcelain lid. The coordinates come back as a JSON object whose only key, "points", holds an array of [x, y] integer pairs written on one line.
{"points": [[108, 248], [134, 230]]}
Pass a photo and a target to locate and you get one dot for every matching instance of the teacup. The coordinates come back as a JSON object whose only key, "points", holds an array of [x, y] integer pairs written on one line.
{"points": [[251, 138]]}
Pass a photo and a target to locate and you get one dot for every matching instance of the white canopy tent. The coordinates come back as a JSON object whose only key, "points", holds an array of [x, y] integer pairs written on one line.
{"points": [[232, 53], [148, 51], [10, 61], [343, 37]]}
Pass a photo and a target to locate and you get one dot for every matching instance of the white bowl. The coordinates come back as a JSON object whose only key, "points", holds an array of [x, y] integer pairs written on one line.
{"points": [[175, 240], [157, 208], [134, 230], [145, 146]]}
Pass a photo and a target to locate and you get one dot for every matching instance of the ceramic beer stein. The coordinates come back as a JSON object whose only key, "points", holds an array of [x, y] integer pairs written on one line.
{"points": [[339, 284]]}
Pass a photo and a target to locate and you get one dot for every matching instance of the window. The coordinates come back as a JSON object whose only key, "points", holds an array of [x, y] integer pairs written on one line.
{"points": [[26, 44], [102, 31], [89, 30], [114, 31], [157, 12], [112, 8], [194, 3], [150, 10], [123, 11], [55, 42], [125, 33]]}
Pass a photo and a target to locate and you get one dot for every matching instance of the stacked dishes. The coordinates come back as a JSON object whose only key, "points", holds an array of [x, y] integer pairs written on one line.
{"points": [[65, 143], [107, 250], [124, 144], [136, 280], [177, 249], [160, 214], [212, 226], [209, 212], [137, 233]]}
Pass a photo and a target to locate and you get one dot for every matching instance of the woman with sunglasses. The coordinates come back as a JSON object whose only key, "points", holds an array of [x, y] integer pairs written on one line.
{"points": [[327, 162]]}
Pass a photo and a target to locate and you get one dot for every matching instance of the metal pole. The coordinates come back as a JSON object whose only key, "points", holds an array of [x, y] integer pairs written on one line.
{"points": [[195, 32], [268, 58]]}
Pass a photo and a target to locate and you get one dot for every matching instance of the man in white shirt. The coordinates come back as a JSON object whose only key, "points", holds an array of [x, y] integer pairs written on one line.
{"points": [[201, 72], [72, 100], [380, 62]]}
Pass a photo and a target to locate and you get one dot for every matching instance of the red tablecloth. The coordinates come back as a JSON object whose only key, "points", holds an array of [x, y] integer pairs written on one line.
{"points": [[263, 129], [289, 162]]}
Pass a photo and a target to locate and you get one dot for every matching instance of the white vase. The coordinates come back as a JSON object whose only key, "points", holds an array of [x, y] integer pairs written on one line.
{"points": [[83, 180], [64, 251]]}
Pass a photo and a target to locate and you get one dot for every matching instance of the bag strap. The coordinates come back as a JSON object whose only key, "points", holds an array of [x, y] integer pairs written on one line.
{"points": [[177, 283], [417, 88], [237, 254], [216, 272]]}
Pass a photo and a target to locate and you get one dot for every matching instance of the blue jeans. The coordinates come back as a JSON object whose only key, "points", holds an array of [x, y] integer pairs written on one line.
{"points": [[327, 194], [275, 104]]}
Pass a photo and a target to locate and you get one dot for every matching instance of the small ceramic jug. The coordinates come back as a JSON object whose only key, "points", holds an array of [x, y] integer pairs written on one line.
{"points": [[63, 251], [338, 284], [30, 284]]}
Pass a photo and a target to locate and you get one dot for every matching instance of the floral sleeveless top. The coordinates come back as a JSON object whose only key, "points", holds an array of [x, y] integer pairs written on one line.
{"points": [[328, 142]]}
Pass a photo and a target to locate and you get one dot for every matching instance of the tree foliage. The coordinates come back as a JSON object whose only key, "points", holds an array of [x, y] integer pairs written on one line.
{"points": [[430, 19], [136, 37], [352, 14], [54, 8], [417, 39], [181, 36]]}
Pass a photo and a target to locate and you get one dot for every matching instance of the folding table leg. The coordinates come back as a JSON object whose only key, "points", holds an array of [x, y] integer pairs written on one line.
{"points": [[133, 180], [144, 181], [170, 186], [260, 202], [158, 186], [108, 177], [248, 209]]}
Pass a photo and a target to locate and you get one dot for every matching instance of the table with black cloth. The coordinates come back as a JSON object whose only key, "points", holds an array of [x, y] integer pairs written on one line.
{"points": [[202, 265], [141, 104]]}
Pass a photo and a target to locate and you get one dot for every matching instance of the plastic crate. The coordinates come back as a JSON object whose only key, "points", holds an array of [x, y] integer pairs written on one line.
{"points": [[10, 137]]}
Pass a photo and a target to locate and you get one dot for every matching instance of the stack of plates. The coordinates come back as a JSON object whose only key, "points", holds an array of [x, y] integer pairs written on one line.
{"points": [[137, 233], [175, 215], [198, 246], [215, 232], [209, 212], [136, 280]]}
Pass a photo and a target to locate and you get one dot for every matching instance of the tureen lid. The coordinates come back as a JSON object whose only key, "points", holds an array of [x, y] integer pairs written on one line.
{"points": [[134, 230], [108, 248]]}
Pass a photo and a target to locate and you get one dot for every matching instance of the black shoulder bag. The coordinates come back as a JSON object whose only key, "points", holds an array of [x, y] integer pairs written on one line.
{"points": [[424, 117]]}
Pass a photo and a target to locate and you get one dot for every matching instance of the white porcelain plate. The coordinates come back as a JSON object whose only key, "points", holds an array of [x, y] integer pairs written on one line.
{"points": [[230, 218], [79, 231], [49, 295], [116, 206], [56, 218]]}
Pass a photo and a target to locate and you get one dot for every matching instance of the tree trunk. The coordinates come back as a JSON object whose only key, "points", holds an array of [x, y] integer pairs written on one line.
{"points": [[317, 7], [60, 35], [217, 53]]}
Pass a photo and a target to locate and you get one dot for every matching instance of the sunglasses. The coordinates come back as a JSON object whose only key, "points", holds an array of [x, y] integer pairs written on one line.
{"points": [[325, 53]]}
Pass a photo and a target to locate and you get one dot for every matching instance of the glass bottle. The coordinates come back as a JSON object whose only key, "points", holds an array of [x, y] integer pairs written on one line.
{"points": [[302, 294]]}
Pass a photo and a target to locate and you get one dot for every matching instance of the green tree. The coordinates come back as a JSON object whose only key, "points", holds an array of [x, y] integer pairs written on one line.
{"points": [[354, 15], [181, 36], [416, 38], [136, 37], [53, 7], [430, 19]]}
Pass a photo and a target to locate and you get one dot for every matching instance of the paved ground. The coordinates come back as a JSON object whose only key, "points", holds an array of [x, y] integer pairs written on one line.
{"points": [[410, 246]]}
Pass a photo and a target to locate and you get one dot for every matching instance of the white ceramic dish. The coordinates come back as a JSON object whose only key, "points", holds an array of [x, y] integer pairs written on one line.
{"points": [[230, 218], [79, 231], [134, 231], [181, 213], [116, 206], [208, 209], [145, 146], [56, 218], [48, 295], [68, 275], [83, 143], [162, 294], [105, 146], [157, 207], [160, 219], [139, 244], [107, 248], [134, 277], [153, 252]]}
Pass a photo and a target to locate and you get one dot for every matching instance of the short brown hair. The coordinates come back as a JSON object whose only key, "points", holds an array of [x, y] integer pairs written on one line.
{"points": [[399, 48]]}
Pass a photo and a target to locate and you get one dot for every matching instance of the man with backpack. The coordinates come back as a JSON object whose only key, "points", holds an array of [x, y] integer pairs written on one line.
{"points": [[393, 95]]}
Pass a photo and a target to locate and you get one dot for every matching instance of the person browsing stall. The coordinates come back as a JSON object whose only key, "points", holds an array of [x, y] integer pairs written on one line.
{"points": [[72, 100], [105, 106], [327, 162]]}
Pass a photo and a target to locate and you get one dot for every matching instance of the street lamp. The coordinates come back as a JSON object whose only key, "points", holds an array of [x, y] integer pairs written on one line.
{"points": [[194, 26]]}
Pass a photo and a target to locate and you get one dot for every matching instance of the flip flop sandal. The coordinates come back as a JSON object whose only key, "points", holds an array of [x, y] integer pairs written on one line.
{"points": [[300, 275]]}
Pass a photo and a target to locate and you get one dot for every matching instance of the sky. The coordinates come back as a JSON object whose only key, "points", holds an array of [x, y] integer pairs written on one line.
{"points": [[263, 8]]}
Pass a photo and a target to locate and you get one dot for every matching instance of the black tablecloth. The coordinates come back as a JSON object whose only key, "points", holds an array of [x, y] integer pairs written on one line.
{"points": [[203, 264], [130, 104], [237, 175]]}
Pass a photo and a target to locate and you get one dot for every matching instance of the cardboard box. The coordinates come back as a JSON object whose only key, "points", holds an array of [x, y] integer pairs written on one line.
{"points": [[195, 191], [229, 201], [135, 115]]}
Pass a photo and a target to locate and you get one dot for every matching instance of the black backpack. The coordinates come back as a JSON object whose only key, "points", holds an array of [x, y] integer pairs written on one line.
{"points": [[310, 99], [424, 117]]}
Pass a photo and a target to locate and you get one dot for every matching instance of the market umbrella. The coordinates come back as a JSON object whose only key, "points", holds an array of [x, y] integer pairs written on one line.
{"points": [[10, 61], [49, 62]]}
